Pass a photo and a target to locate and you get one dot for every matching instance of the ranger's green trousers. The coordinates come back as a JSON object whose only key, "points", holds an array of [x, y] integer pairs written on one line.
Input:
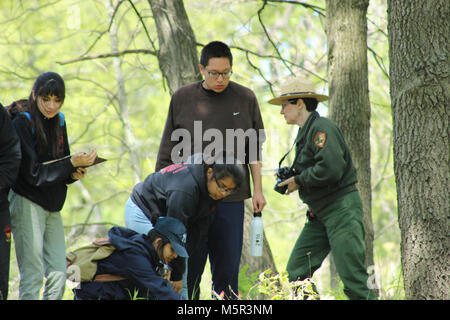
{"points": [[339, 228]]}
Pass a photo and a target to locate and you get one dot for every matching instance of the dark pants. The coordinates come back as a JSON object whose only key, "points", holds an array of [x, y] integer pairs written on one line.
{"points": [[224, 246], [339, 228], [5, 249]]}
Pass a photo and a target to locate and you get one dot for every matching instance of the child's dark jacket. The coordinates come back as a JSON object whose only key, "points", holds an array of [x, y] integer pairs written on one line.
{"points": [[134, 259]]}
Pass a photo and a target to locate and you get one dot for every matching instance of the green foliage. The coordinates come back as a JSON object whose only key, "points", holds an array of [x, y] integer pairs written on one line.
{"points": [[278, 287], [270, 286], [135, 295], [247, 284], [336, 293], [38, 35]]}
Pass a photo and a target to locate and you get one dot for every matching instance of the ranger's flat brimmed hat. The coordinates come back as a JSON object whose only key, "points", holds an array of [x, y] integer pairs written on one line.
{"points": [[297, 88]]}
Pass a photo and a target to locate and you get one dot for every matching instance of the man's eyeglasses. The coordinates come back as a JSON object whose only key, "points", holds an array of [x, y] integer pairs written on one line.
{"points": [[215, 74], [224, 189]]}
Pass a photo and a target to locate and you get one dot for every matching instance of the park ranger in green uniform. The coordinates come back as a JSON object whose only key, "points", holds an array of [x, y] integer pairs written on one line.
{"points": [[325, 177]]}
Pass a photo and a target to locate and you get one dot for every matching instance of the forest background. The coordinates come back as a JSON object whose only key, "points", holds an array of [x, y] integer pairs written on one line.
{"points": [[117, 103]]}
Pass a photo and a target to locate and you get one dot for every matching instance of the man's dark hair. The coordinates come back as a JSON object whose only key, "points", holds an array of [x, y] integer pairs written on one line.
{"points": [[215, 49], [310, 103]]}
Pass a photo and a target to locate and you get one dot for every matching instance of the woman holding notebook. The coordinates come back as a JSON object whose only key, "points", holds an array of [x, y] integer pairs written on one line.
{"points": [[40, 190]]}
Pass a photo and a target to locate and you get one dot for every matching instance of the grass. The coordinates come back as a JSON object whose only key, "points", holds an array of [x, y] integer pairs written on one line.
{"points": [[387, 269]]}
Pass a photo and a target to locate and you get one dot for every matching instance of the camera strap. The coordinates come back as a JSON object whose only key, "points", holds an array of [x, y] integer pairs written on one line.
{"points": [[314, 116]]}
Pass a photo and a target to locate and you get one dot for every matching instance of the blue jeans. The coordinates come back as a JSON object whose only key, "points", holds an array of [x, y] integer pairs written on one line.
{"points": [[135, 218]]}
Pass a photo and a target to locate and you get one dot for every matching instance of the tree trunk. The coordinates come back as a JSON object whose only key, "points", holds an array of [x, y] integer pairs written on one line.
{"points": [[177, 53], [128, 135], [349, 93], [349, 104], [419, 74]]}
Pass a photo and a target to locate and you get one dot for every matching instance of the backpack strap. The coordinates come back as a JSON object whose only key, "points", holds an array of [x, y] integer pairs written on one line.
{"points": [[62, 119], [101, 242], [314, 116], [106, 277], [28, 115]]}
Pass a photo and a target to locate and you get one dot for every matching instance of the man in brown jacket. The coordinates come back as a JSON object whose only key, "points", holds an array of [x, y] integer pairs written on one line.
{"points": [[206, 117]]}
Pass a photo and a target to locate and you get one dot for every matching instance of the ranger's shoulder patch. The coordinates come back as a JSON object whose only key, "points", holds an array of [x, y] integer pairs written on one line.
{"points": [[319, 139]]}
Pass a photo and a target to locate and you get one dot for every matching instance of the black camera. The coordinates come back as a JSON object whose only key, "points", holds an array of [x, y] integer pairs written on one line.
{"points": [[282, 174]]}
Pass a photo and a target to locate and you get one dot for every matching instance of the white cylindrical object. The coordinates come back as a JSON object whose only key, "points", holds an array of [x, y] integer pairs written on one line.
{"points": [[257, 235]]}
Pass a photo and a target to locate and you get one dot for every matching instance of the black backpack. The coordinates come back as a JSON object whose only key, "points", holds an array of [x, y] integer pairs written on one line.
{"points": [[17, 107]]}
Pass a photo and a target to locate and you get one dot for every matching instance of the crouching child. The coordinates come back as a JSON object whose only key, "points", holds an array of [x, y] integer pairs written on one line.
{"points": [[138, 267]]}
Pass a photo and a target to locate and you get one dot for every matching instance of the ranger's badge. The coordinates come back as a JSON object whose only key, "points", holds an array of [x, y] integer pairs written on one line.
{"points": [[319, 139], [7, 231]]}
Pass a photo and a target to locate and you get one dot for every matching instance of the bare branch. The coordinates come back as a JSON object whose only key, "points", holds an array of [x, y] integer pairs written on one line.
{"points": [[272, 57], [108, 55], [90, 224], [316, 9], [145, 28], [378, 28], [268, 36], [116, 8], [280, 58], [321, 11], [260, 73], [29, 10], [379, 61], [22, 77], [88, 125], [94, 205]]}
